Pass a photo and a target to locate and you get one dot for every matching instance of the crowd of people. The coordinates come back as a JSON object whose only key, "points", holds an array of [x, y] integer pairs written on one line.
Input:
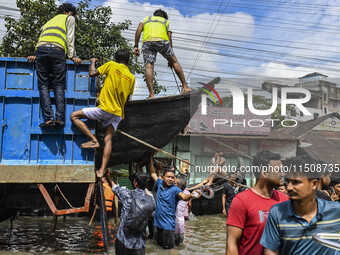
{"points": [[278, 215], [264, 220], [272, 217], [167, 197]]}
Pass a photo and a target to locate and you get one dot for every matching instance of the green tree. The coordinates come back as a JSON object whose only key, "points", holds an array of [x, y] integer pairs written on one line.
{"points": [[96, 35], [22, 34]]}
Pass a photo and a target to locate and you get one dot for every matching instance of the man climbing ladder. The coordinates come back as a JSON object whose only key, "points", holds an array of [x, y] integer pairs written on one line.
{"points": [[118, 86]]}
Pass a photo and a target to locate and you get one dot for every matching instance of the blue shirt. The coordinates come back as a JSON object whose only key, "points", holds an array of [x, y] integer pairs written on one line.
{"points": [[167, 199], [130, 239], [289, 233]]}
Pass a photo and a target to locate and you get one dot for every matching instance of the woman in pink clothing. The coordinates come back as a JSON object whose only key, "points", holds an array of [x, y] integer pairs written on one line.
{"points": [[180, 213]]}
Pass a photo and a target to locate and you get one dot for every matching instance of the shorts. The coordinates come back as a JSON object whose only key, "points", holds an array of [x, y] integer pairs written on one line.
{"points": [[150, 49], [95, 113], [179, 238], [165, 238], [122, 250]]}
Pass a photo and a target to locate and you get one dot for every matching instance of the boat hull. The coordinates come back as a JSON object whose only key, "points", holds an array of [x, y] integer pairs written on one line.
{"points": [[155, 121]]}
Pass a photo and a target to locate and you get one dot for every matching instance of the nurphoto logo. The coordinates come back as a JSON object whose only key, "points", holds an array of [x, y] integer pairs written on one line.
{"points": [[239, 102]]}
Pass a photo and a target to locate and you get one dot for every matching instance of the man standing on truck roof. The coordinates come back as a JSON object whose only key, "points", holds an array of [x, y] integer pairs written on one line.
{"points": [[157, 38], [118, 86], [55, 41]]}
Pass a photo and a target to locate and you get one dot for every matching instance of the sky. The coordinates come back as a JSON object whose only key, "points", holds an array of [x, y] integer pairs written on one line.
{"points": [[243, 40]]}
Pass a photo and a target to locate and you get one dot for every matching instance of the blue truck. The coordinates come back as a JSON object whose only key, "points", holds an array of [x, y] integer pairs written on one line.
{"points": [[30, 155]]}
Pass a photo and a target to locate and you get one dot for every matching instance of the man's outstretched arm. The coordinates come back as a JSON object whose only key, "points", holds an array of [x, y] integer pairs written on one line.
{"points": [[93, 72], [152, 169], [108, 179], [137, 37]]}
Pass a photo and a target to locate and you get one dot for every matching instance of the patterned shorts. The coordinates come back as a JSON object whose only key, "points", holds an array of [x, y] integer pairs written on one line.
{"points": [[95, 113], [151, 48]]}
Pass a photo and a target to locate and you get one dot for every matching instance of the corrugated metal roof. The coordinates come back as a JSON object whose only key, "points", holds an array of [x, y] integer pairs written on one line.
{"points": [[324, 146], [313, 74], [304, 127], [273, 135], [319, 144]]}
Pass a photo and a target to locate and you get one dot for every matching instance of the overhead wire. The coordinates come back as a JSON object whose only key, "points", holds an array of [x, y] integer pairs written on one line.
{"points": [[262, 59], [256, 60], [305, 56], [249, 5], [206, 38], [279, 27], [266, 1]]}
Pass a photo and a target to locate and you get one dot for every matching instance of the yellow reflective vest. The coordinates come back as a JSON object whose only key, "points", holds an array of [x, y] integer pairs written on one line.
{"points": [[55, 31], [155, 27]]}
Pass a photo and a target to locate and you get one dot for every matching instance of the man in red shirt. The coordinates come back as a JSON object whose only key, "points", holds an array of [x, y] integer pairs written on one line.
{"points": [[249, 209]]}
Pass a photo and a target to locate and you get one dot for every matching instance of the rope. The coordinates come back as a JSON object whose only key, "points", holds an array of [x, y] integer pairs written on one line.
{"points": [[153, 147], [229, 147], [64, 196], [179, 90], [173, 156]]}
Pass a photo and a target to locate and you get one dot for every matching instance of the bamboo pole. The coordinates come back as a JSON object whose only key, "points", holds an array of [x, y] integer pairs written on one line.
{"points": [[173, 156], [153, 147]]}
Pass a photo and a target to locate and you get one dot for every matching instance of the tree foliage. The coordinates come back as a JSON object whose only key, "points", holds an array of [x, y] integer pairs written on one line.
{"points": [[96, 35], [22, 34]]}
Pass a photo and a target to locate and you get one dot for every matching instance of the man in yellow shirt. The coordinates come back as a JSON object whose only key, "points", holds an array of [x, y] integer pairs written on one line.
{"points": [[118, 86], [157, 38]]}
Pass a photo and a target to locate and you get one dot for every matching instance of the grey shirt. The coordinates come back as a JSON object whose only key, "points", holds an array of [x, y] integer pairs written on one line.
{"points": [[130, 239]]}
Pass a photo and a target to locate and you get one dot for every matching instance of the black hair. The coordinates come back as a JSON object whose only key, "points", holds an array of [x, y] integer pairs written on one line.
{"points": [[182, 183], [160, 13], [284, 184], [142, 180], [67, 7], [168, 170], [335, 181], [303, 166], [263, 158], [122, 56], [232, 173]]}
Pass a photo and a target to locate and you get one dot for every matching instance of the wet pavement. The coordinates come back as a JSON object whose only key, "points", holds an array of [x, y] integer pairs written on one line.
{"points": [[31, 235]]}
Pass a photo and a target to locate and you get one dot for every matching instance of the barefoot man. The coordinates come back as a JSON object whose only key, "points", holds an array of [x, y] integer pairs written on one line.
{"points": [[157, 38], [118, 86]]}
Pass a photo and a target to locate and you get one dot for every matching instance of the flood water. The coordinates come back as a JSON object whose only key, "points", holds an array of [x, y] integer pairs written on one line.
{"points": [[31, 235]]}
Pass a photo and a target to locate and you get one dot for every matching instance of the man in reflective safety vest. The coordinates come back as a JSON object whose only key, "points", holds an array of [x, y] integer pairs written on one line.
{"points": [[157, 38], [55, 41]]}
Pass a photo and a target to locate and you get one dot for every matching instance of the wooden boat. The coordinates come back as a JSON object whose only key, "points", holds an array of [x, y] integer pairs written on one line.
{"points": [[155, 121]]}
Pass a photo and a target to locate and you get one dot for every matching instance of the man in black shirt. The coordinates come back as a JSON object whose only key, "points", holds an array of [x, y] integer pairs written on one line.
{"points": [[230, 189], [323, 185]]}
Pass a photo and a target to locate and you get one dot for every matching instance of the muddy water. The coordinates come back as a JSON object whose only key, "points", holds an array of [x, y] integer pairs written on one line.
{"points": [[31, 235]]}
